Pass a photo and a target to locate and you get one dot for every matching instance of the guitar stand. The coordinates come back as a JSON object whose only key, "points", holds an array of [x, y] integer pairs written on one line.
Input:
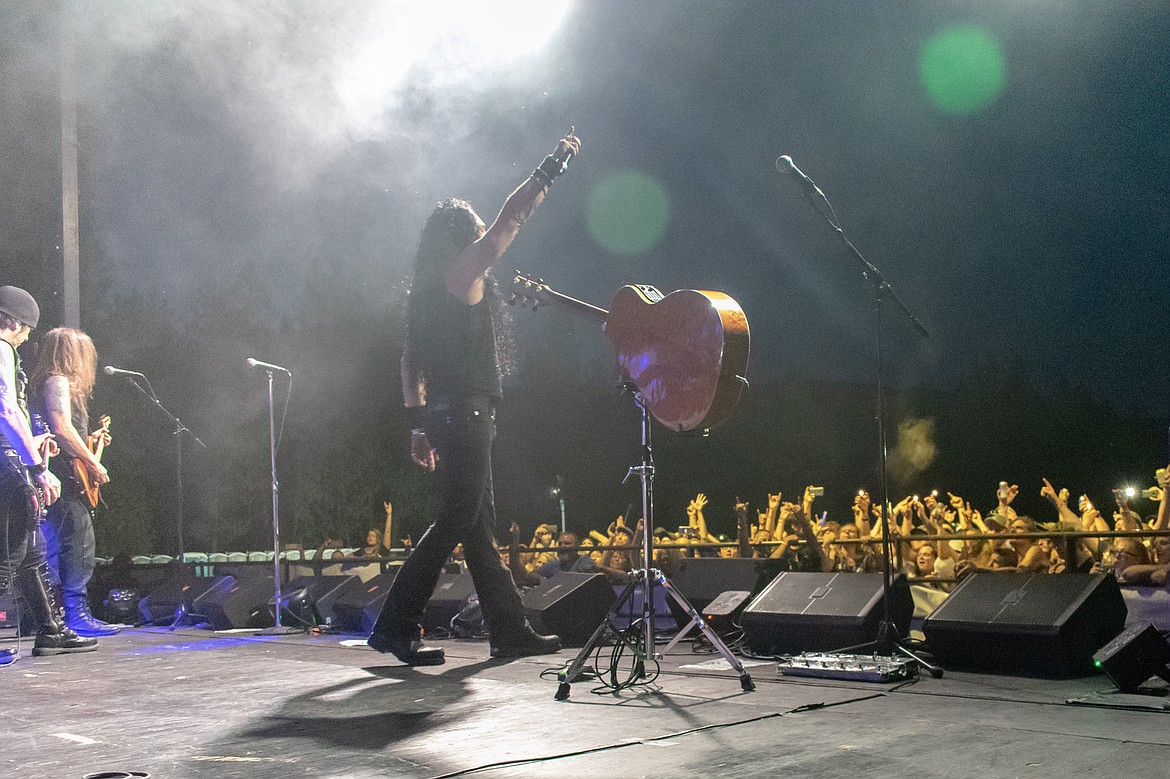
{"points": [[647, 578]]}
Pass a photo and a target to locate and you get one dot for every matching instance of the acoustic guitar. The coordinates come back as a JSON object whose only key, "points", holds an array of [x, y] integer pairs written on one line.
{"points": [[686, 352], [97, 445]]}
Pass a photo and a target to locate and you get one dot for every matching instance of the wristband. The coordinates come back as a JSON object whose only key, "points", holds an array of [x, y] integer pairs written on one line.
{"points": [[552, 167], [417, 431], [38, 469], [542, 178]]}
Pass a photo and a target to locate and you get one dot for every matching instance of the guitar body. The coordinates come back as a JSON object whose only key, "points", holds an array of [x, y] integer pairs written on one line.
{"points": [[91, 491], [686, 352]]}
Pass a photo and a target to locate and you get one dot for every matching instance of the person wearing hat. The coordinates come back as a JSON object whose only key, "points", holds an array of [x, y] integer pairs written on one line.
{"points": [[26, 486], [61, 385]]}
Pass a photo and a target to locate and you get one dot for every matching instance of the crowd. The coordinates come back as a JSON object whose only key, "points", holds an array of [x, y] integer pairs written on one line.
{"points": [[935, 541]]}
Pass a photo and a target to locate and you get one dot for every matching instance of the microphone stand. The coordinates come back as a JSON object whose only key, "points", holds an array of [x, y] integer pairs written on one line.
{"points": [[177, 432], [888, 642], [277, 628]]}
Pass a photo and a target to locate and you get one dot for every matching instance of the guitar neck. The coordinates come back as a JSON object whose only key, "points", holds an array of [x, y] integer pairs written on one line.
{"points": [[578, 307]]}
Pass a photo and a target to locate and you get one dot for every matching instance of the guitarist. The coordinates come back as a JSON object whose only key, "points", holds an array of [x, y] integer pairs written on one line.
{"points": [[25, 485], [451, 385], [62, 384]]}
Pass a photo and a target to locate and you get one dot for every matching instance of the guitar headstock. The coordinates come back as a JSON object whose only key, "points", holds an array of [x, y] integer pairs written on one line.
{"points": [[529, 292]]}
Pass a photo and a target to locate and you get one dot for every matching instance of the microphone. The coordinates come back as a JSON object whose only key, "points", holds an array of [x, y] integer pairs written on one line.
{"points": [[110, 370], [268, 366], [784, 164]]}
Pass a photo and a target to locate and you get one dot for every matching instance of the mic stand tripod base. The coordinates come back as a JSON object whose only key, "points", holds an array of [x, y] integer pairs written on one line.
{"points": [[281, 630], [644, 578]]}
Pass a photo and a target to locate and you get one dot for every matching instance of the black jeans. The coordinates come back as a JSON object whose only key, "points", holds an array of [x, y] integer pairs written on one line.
{"points": [[22, 547], [69, 545], [462, 438]]}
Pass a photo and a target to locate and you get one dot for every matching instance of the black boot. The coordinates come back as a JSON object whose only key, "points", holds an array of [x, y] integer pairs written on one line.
{"points": [[522, 641], [53, 637], [81, 622], [405, 643]]}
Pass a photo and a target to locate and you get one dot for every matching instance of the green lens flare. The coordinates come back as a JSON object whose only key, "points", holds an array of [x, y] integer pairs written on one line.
{"points": [[628, 212], [962, 69]]}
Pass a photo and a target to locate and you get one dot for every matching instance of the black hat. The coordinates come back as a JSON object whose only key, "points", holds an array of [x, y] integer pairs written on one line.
{"points": [[19, 305]]}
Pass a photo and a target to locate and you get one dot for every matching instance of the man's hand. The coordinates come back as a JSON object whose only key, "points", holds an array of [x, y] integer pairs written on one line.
{"points": [[98, 472], [567, 147], [49, 486], [1058, 499], [421, 451]]}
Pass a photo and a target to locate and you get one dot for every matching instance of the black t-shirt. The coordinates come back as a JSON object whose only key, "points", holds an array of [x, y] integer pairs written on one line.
{"points": [[454, 345]]}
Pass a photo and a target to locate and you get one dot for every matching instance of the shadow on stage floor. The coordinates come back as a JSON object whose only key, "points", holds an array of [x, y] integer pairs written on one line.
{"points": [[201, 704]]}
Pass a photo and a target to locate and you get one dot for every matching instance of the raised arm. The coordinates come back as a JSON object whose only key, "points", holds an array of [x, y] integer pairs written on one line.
{"points": [[465, 277], [1059, 499]]}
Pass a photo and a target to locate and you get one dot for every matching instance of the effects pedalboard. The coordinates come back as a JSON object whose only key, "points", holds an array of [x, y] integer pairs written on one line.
{"points": [[861, 668]]}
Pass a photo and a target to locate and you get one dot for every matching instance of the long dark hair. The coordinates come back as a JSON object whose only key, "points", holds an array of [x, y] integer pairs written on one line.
{"points": [[450, 229]]}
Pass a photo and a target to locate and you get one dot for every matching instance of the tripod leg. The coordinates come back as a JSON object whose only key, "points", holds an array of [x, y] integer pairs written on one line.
{"points": [[745, 680], [570, 674], [934, 671], [180, 615]]}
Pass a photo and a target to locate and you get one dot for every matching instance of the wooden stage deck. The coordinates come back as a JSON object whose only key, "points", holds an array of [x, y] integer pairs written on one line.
{"points": [[192, 703]]}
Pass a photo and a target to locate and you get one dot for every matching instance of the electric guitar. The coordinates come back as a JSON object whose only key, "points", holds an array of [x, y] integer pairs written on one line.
{"points": [[686, 352], [39, 427], [97, 445]]}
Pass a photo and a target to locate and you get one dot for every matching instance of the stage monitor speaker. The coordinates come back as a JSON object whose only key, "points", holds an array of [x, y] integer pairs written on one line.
{"points": [[1133, 657], [569, 605], [451, 595], [244, 604], [162, 604], [818, 612], [1045, 625], [310, 600], [703, 579], [357, 609]]}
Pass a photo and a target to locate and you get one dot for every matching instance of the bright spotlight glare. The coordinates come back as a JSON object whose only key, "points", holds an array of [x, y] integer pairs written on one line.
{"points": [[457, 40], [506, 28]]}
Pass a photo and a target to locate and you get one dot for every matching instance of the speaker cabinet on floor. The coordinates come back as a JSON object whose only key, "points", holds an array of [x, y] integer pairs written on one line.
{"points": [[703, 579], [1133, 657], [1045, 625], [569, 605], [816, 612], [451, 594], [357, 609], [310, 600], [162, 604], [244, 604]]}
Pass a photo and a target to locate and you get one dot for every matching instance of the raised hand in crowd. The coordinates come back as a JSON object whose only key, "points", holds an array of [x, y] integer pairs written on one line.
{"points": [[773, 512], [1005, 494]]}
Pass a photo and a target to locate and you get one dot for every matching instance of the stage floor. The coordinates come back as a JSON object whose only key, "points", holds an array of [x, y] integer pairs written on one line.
{"points": [[193, 703]]}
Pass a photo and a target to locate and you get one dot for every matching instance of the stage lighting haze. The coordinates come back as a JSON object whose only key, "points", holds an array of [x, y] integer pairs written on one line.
{"points": [[962, 69], [628, 212]]}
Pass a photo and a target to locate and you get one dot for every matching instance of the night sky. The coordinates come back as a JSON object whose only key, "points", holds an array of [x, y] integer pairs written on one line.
{"points": [[270, 145]]}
